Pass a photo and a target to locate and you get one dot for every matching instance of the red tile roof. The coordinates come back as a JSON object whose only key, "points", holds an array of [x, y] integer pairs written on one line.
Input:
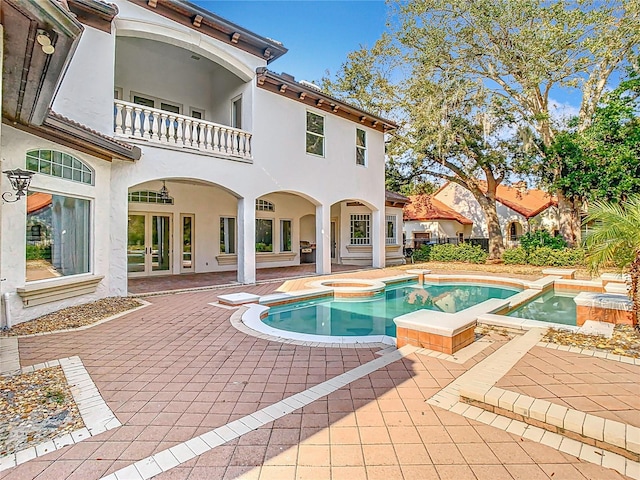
{"points": [[425, 207], [38, 200], [527, 202]]}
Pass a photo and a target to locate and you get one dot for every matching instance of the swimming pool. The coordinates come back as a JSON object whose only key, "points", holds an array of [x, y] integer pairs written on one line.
{"points": [[551, 306], [374, 315]]}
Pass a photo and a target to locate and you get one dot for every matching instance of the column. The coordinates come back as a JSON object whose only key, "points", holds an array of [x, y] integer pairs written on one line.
{"points": [[118, 234], [378, 238], [247, 240], [323, 239]]}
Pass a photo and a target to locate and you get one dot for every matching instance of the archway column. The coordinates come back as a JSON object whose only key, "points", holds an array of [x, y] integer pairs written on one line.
{"points": [[378, 235], [118, 229], [323, 239], [247, 240]]}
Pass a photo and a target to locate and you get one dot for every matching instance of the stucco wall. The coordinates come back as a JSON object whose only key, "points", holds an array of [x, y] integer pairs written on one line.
{"points": [[15, 144], [463, 201]]}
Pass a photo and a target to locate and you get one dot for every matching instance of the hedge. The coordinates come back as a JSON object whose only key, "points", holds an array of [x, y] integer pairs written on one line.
{"points": [[463, 252], [544, 257], [514, 256]]}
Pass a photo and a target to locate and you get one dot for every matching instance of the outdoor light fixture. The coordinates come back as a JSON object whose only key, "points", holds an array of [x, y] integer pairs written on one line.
{"points": [[20, 180], [44, 39], [164, 193]]}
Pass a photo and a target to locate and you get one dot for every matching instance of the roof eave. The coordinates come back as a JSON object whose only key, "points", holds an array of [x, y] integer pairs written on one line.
{"points": [[289, 88], [210, 24]]}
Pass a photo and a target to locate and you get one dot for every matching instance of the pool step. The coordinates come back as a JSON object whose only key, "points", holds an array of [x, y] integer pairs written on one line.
{"points": [[610, 435]]}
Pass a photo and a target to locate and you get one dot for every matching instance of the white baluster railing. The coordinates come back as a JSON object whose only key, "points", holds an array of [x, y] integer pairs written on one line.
{"points": [[155, 125]]}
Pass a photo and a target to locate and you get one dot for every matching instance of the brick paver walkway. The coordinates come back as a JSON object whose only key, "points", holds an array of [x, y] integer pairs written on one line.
{"points": [[177, 369], [594, 385]]}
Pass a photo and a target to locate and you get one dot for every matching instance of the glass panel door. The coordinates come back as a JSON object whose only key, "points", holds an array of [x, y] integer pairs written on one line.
{"points": [[187, 243], [160, 235], [136, 244]]}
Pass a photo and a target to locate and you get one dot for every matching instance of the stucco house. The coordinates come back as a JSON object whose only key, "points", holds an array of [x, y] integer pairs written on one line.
{"points": [[163, 144], [428, 220], [453, 212]]}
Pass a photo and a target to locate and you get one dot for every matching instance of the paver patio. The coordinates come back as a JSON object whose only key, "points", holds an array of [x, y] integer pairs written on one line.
{"points": [[589, 384], [177, 369]]}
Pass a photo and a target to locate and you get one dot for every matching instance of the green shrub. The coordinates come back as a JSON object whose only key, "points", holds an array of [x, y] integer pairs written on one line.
{"points": [[550, 257], [515, 256], [464, 252], [541, 238], [38, 252], [422, 254]]}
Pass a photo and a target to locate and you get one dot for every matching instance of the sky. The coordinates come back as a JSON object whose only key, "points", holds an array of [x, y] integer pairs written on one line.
{"points": [[318, 33]]}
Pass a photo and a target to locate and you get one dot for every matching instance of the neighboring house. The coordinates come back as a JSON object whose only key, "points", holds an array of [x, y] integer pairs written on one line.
{"points": [[166, 146], [427, 220], [520, 209]]}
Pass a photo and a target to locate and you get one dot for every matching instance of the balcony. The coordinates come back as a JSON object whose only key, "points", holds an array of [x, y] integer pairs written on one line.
{"points": [[139, 122]]}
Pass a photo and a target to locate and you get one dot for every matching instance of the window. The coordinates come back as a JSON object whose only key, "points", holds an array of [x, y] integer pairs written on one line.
{"points": [[58, 164], [391, 230], [148, 196], [187, 242], [227, 235], [285, 235], [264, 235], [57, 236], [236, 113], [145, 102], [315, 134], [154, 102], [360, 229], [197, 113], [361, 147], [265, 206]]}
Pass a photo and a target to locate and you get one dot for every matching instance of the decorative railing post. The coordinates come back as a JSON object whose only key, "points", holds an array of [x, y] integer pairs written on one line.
{"points": [[163, 127], [118, 120]]}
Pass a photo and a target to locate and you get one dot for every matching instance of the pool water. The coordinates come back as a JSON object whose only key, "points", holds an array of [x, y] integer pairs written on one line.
{"points": [[374, 315], [549, 307]]}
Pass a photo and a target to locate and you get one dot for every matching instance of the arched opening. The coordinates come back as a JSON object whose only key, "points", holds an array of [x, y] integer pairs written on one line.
{"points": [[353, 232], [177, 226], [210, 115], [515, 231]]}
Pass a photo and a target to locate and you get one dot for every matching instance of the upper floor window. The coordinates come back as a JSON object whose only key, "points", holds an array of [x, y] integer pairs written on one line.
{"points": [[265, 206], [148, 196], [361, 147], [360, 228], [315, 134], [58, 164]]}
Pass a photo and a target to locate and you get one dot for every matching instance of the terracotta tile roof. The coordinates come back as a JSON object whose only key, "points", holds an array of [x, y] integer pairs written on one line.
{"points": [[38, 200], [425, 207], [528, 202]]}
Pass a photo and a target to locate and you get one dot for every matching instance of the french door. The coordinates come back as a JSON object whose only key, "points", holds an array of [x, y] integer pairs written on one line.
{"points": [[149, 244]]}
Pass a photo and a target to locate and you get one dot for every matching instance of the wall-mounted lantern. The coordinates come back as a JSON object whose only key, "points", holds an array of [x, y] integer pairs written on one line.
{"points": [[20, 180]]}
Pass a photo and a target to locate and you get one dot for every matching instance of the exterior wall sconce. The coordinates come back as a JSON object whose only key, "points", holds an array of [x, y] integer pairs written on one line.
{"points": [[20, 180], [44, 39]]}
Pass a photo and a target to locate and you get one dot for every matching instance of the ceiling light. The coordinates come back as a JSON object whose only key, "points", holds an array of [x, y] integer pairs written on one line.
{"points": [[43, 38]]}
